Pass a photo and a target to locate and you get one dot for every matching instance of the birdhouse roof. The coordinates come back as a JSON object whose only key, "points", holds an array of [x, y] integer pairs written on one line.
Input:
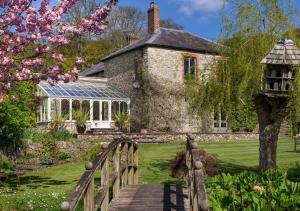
{"points": [[285, 52]]}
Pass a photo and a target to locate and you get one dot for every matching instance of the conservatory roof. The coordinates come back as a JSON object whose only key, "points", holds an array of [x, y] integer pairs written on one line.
{"points": [[83, 88]]}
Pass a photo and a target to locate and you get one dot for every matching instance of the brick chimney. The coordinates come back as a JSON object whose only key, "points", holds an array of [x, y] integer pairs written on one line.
{"points": [[153, 18]]}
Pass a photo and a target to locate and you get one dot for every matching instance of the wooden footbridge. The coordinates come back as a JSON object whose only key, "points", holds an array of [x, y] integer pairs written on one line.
{"points": [[119, 189]]}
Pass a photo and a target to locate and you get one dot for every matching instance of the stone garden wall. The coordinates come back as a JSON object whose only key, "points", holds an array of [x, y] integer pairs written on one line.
{"points": [[163, 137], [88, 141]]}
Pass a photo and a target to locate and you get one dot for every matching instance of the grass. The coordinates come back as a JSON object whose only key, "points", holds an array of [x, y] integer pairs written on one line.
{"points": [[46, 188], [238, 156]]}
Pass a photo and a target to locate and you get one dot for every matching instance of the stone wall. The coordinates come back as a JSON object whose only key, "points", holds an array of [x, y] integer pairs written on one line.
{"points": [[72, 148], [166, 107], [159, 105], [163, 137]]}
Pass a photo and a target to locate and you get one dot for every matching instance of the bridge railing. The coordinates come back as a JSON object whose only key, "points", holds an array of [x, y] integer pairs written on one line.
{"points": [[117, 166], [195, 177]]}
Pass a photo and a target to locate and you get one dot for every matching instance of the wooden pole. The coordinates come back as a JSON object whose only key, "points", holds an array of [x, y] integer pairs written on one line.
{"points": [[105, 184], [116, 170], [136, 163]]}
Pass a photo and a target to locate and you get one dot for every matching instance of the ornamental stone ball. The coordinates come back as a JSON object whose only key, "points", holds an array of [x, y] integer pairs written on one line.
{"points": [[88, 165], [194, 145], [198, 165], [65, 206]]}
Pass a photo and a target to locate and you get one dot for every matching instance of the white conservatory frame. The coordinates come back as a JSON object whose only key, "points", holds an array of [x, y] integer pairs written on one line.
{"points": [[92, 93]]}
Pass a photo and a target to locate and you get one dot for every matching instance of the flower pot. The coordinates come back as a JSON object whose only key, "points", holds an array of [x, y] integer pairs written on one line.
{"points": [[81, 129]]}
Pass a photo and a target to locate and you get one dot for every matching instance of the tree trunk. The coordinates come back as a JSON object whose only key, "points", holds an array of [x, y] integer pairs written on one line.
{"points": [[271, 113]]}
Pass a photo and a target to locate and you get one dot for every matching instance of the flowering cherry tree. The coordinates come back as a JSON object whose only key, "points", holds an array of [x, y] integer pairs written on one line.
{"points": [[31, 31]]}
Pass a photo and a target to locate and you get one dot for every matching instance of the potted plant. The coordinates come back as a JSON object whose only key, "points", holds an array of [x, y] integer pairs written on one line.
{"points": [[122, 121], [81, 116]]}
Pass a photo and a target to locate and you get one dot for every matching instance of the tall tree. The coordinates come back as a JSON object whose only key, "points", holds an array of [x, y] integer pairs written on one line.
{"points": [[31, 36], [250, 29], [170, 24]]}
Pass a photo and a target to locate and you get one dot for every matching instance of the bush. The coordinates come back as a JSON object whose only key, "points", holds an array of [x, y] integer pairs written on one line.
{"points": [[248, 190], [91, 153], [15, 116], [243, 119], [6, 165], [63, 156], [179, 168], [57, 124], [122, 121], [47, 160], [62, 135], [81, 116]]}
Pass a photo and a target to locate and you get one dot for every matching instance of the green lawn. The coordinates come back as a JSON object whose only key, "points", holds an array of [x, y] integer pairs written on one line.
{"points": [[46, 188]]}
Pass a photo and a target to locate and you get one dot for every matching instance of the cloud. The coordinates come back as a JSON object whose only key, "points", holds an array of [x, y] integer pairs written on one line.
{"points": [[188, 7]]}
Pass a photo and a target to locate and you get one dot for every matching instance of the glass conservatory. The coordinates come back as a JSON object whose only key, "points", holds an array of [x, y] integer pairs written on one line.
{"points": [[94, 95]]}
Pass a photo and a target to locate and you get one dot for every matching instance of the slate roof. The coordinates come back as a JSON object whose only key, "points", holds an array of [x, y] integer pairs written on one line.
{"points": [[93, 70], [173, 39], [285, 52]]}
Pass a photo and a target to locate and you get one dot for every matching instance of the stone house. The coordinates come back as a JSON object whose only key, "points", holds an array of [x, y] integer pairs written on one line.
{"points": [[152, 72]]}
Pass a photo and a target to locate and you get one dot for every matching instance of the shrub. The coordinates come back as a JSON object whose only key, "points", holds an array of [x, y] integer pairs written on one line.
{"points": [[122, 121], [63, 156], [293, 174], [179, 168], [6, 165], [91, 153], [243, 118], [81, 116], [252, 191], [47, 160], [57, 124], [62, 135], [15, 116]]}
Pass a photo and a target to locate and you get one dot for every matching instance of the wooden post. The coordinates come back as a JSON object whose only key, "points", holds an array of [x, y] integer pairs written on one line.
{"points": [[136, 163], [89, 197], [130, 163], [89, 193], [125, 179], [116, 170], [104, 184]]}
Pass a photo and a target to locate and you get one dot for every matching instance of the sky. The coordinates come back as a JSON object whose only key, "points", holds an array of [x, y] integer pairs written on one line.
{"points": [[200, 17]]}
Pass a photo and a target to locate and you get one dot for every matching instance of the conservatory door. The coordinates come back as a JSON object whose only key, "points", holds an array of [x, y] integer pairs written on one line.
{"points": [[105, 122], [101, 115]]}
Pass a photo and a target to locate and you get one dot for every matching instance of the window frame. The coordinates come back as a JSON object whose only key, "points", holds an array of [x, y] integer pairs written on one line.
{"points": [[189, 57]]}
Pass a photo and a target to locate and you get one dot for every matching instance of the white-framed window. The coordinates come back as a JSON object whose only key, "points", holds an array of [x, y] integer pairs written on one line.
{"points": [[190, 65]]}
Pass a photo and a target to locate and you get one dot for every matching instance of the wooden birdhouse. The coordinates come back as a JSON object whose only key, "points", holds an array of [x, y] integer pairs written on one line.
{"points": [[280, 69]]}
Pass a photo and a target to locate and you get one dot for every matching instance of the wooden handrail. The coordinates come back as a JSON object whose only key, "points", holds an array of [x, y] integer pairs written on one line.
{"points": [[124, 172], [195, 177]]}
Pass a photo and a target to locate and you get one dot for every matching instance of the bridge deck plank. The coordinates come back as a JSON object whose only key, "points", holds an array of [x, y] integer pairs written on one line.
{"points": [[151, 198]]}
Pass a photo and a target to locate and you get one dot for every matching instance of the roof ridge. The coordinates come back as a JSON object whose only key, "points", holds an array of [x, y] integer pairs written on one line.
{"points": [[153, 37]]}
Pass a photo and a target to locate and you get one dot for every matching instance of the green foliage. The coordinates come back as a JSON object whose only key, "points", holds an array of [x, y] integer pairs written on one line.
{"points": [[32, 134], [63, 156], [62, 135], [251, 191], [243, 119], [250, 30], [91, 153], [293, 174], [57, 124], [15, 116], [6, 165], [91, 51], [122, 121], [81, 116]]}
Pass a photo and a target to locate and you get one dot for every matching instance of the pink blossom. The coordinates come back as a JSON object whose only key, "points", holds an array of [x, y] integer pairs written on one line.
{"points": [[75, 70], [24, 24], [58, 57], [79, 60]]}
